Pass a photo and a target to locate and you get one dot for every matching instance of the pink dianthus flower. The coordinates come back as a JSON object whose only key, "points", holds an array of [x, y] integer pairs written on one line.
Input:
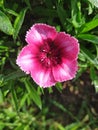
{"points": [[50, 56]]}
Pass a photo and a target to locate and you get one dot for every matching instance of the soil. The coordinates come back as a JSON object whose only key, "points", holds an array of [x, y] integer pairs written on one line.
{"points": [[74, 102]]}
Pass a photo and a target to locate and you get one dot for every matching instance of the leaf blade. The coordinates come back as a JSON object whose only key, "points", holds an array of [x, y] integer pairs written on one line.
{"points": [[89, 26], [13, 75], [33, 93], [5, 24], [89, 37], [18, 22]]}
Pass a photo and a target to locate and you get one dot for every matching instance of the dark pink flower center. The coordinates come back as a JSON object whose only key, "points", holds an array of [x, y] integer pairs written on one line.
{"points": [[50, 54]]}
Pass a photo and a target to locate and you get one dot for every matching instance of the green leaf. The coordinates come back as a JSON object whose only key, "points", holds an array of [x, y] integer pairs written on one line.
{"points": [[63, 109], [1, 3], [5, 24], [27, 127], [76, 15], [1, 97], [28, 4], [14, 96], [81, 57], [22, 102], [94, 2], [2, 125], [18, 22], [1, 79], [89, 26], [33, 93], [89, 37], [12, 12], [73, 126], [13, 75], [20, 127], [10, 113], [58, 126], [62, 14], [89, 56], [94, 77], [59, 86], [92, 73]]}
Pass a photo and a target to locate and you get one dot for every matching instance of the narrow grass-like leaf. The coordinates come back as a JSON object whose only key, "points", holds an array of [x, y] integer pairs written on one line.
{"points": [[50, 90], [33, 93], [74, 126], [58, 126], [14, 96], [12, 12], [89, 37], [62, 108], [5, 24], [89, 26], [20, 127], [92, 73], [1, 97], [18, 22], [23, 100], [88, 55], [40, 90], [59, 86], [28, 4], [62, 14], [94, 77], [13, 75], [81, 57]]}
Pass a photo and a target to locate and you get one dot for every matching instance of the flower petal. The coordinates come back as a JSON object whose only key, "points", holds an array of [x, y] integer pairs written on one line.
{"points": [[65, 71], [33, 37], [46, 31], [42, 76], [39, 32], [68, 44], [25, 58]]}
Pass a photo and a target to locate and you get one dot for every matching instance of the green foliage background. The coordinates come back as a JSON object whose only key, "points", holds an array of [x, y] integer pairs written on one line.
{"points": [[21, 106]]}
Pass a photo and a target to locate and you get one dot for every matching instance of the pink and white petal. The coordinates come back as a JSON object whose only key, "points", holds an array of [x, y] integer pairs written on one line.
{"points": [[33, 37], [65, 71], [25, 58], [42, 76], [46, 31], [70, 54], [68, 44]]}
